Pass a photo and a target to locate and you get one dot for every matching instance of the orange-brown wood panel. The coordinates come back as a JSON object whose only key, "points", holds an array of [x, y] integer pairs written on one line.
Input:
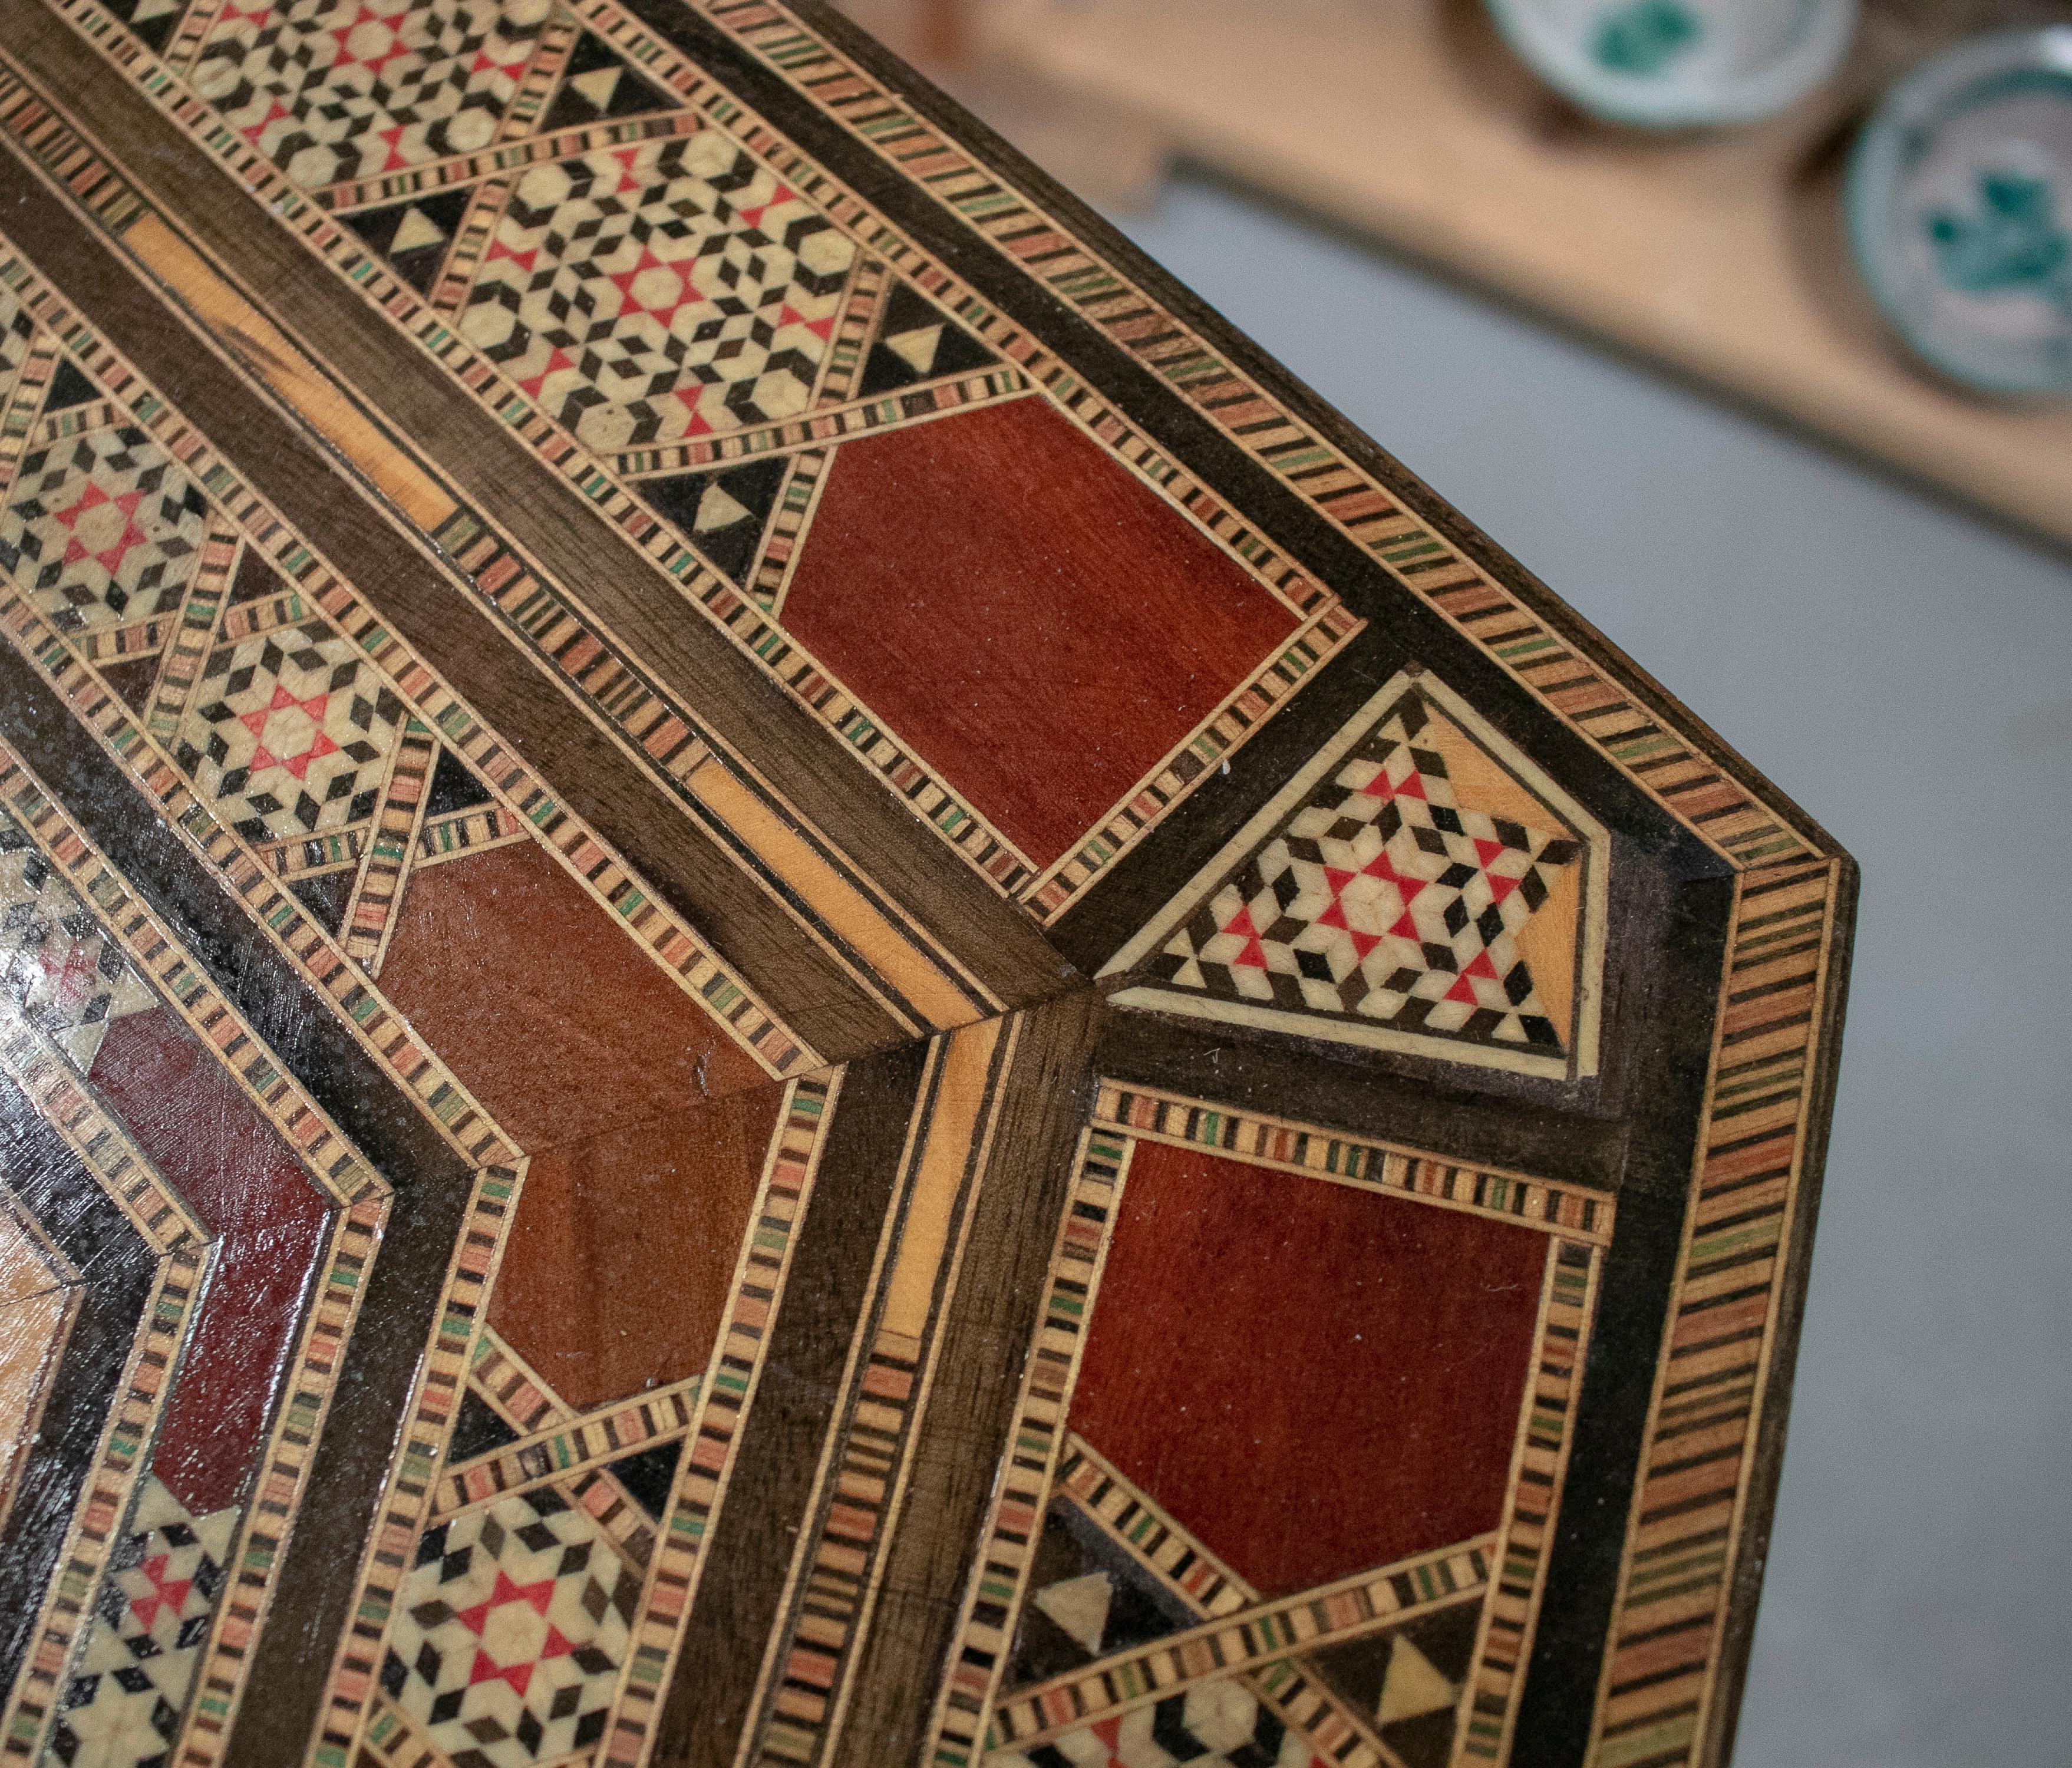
{"points": [[546, 1010], [616, 1271], [1037, 622], [1312, 1378]]}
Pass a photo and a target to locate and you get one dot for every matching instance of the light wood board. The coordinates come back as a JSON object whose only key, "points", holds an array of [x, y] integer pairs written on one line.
{"points": [[1722, 254]]}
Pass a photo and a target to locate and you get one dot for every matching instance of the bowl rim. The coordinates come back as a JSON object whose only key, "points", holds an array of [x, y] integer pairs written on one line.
{"points": [[1874, 169], [1775, 86]]}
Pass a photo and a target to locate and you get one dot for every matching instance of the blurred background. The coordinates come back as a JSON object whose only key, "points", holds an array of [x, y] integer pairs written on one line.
{"points": [[1645, 361]]}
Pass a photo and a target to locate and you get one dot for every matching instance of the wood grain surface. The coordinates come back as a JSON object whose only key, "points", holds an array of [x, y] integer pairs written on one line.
{"points": [[784, 979]]}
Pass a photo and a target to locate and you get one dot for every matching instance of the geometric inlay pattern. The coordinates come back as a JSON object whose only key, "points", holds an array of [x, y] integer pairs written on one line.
{"points": [[915, 340], [511, 1631], [15, 330], [647, 294], [596, 86], [1406, 1683], [1210, 1724], [67, 976], [122, 1708], [724, 513], [414, 237], [287, 731], [1087, 1599], [335, 89], [102, 528], [539, 401], [1380, 896]]}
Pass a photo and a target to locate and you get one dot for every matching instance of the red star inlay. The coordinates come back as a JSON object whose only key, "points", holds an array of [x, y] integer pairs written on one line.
{"points": [[393, 137], [109, 558], [524, 260], [683, 294], [1463, 989], [1335, 916], [821, 329], [298, 763], [689, 397], [754, 216], [535, 1597], [1489, 852], [512, 64], [1408, 888], [485, 1668], [559, 361], [507, 1594], [373, 64], [166, 1593], [627, 181], [1109, 1731]]}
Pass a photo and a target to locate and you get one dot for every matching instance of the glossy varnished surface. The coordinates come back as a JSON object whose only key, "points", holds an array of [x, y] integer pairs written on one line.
{"points": [[788, 982]]}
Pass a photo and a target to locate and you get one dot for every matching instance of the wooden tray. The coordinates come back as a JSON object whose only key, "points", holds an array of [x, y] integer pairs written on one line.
{"points": [[785, 980], [1720, 255]]}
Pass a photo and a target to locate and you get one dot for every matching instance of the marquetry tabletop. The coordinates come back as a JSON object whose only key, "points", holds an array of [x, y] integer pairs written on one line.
{"points": [[788, 981]]}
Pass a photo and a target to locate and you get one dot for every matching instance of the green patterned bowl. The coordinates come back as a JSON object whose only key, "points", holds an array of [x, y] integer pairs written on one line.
{"points": [[1960, 210], [1680, 63]]}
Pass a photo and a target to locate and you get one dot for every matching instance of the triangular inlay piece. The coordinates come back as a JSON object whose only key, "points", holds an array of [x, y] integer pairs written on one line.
{"points": [[150, 21], [1414, 1687], [413, 237], [718, 510], [1087, 1599], [133, 678], [724, 512], [917, 348], [1407, 1681], [69, 387], [917, 341], [598, 86], [325, 896], [256, 579], [1419, 884], [1080, 1607], [477, 1429], [454, 787], [649, 1475], [416, 229]]}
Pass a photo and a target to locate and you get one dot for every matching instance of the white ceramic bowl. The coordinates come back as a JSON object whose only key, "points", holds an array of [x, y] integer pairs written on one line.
{"points": [[1680, 63], [1960, 210]]}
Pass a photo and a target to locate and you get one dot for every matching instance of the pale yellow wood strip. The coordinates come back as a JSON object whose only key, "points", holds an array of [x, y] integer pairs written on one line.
{"points": [[266, 352]]}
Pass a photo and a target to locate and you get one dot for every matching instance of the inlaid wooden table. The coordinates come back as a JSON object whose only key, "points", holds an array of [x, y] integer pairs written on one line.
{"points": [[788, 981]]}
